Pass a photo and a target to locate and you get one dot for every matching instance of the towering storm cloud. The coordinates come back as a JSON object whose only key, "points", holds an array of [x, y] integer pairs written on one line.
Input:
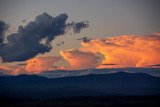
{"points": [[79, 59], [40, 64], [36, 37], [126, 50]]}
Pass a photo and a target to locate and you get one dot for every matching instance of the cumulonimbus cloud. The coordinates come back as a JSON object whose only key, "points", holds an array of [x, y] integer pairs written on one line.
{"points": [[126, 50], [40, 64], [36, 65], [79, 59], [36, 37]]}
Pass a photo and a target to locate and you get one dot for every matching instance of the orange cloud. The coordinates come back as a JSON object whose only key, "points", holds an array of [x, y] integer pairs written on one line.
{"points": [[39, 64], [79, 59], [32, 66], [126, 50], [18, 70], [5, 69]]}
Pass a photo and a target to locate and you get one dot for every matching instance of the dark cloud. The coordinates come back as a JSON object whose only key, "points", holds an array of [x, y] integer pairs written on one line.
{"points": [[22, 64], [3, 27], [58, 44], [24, 20], [35, 38], [156, 65], [85, 39], [109, 64], [61, 43], [78, 26]]}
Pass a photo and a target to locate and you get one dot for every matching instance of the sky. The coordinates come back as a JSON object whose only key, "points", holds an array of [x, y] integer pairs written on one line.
{"points": [[136, 20]]}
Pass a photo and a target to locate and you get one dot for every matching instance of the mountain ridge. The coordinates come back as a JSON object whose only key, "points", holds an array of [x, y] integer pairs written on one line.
{"points": [[93, 84]]}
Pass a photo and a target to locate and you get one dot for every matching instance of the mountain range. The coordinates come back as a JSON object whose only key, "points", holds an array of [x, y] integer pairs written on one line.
{"points": [[121, 83], [68, 73]]}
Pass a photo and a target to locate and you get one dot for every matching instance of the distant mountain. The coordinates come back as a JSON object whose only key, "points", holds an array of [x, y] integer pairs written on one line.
{"points": [[33, 86], [67, 73]]}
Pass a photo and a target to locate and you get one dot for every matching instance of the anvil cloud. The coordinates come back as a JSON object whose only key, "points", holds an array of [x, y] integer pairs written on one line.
{"points": [[126, 50]]}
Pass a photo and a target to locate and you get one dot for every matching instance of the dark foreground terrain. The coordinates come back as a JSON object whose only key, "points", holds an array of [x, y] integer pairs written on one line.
{"points": [[94, 90], [97, 101]]}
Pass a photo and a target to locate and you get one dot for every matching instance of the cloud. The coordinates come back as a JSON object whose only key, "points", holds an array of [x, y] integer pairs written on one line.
{"points": [[154, 66], [18, 71], [126, 50], [36, 37], [3, 27], [40, 64], [78, 26], [84, 39], [35, 65], [4, 69], [21, 64], [59, 44], [80, 60], [110, 64], [12, 70]]}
